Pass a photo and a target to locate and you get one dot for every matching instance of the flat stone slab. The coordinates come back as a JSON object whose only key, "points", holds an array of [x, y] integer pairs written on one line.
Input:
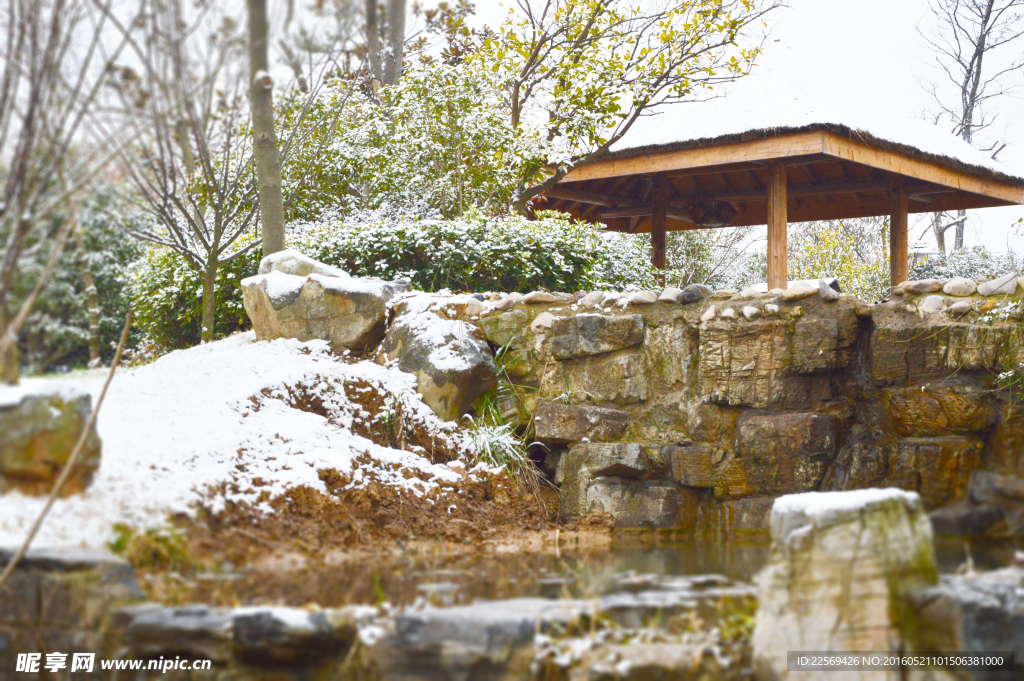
{"points": [[565, 423]]}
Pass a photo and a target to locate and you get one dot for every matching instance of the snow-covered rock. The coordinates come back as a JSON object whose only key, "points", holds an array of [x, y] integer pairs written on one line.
{"points": [[40, 422], [293, 262], [346, 311], [841, 568], [453, 367]]}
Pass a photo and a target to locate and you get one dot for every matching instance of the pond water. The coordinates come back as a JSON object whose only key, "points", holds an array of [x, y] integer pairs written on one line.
{"points": [[444, 579]]}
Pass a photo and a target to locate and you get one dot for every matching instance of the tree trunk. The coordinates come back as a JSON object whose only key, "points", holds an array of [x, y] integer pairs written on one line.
{"points": [[940, 235], [9, 359], [268, 165], [961, 217], [373, 44], [396, 37], [209, 299], [90, 296]]}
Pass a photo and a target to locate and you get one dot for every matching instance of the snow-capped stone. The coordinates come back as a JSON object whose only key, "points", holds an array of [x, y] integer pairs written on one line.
{"points": [[610, 297], [474, 308], [542, 322], [771, 309], [643, 297], [959, 286], [709, 314], [841, 568], [452, 367], [932, 304], [517, 297], [592, 299], [670, 294], [827, 293], [729, 313], [347, 311], [1003, 286], [920, 286], [295, 263], [539, 297], [504, 304], [797, 292], [749, 311]]}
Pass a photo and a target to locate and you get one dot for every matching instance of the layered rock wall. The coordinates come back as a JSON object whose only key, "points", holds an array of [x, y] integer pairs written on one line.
{"points": [[693, 410]]}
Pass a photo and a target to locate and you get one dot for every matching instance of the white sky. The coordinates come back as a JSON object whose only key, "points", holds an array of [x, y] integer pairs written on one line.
{"points": [[872, 50]]}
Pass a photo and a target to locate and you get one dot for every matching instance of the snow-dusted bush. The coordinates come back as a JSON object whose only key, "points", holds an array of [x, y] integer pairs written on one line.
{"points": [[967, 262], [57, 331], [440, 141], [167, 296], [477, 253]]}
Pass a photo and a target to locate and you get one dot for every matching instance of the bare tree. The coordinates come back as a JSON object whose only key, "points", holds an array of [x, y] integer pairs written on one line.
{"points": [[268, 164], [194, 170], [373, 45], [964, 37], [55, 54]]}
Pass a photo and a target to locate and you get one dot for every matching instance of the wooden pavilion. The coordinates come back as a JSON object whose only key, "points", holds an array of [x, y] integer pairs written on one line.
{"points": [[817, 171]]}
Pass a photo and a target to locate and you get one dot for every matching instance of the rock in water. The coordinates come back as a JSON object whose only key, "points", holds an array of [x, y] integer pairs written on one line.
{"points": [[1003, 286], [958, 286], [842, 567], [39, 426], [348, 312], [452, 367], [694, 293]]}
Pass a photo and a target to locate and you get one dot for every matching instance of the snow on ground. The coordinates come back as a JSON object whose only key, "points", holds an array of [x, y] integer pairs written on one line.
{"points": [[186, 421]]}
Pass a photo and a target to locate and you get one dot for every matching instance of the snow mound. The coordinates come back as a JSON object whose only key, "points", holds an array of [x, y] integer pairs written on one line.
{"points": [[220, 414]]}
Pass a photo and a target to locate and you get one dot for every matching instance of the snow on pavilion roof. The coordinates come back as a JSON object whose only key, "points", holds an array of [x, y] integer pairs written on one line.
{"points": [[775, 101]]}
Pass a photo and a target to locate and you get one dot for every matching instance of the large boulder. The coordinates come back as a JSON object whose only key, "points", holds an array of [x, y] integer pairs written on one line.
{"points": [[297, 297], [453, 367], [40, 422], [841, 569]]}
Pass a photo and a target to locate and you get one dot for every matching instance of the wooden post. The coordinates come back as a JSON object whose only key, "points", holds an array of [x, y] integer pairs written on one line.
{"points": [[898, 236], [659, 221], [778, 267]]}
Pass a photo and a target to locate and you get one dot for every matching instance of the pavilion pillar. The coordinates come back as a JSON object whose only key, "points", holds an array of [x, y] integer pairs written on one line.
{"points": [[659, 221], [778, 266], [898, 240]]}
